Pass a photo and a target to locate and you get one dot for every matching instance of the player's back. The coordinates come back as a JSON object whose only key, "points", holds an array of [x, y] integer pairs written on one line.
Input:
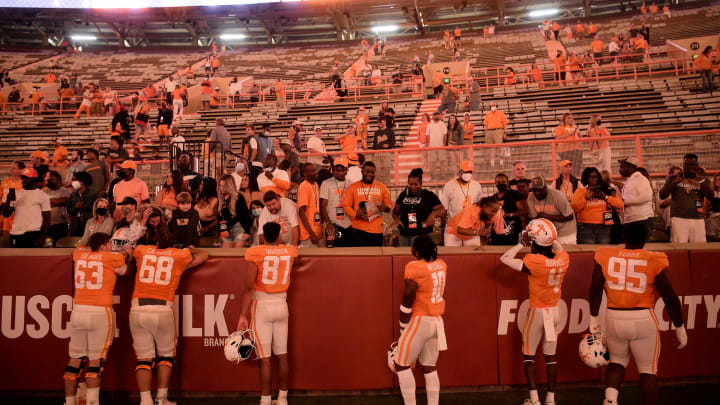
{"points": [[630, 275], [274, 264], [546, 278], [94, 275], [430, 278], [159, 271]]}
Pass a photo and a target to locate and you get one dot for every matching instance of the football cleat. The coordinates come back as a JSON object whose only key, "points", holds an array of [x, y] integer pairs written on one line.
{"points": [[542, 232], [240, 345], [391, 356], [593, 352], [164, 401]]}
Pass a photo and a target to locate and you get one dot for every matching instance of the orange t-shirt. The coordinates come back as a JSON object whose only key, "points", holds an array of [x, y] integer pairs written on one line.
{"points": [[468, 131], [159, 271], [561, 132], [703, 62], [5, 187], [510, 79], [574, 63], [348, 143], [36, 97], [592, 28], [430, 278], [653, 9], [555, 26], [216, 62], [206, 87], [536, 74], [641, 43], [50, 78], [643, 9], [597, 46], [66, 93], [469, 217], [446, 34], [630, 276], [362, 120], [358, 192], [95, 276], [591, 212], [177, 94], [97, 96], [559, 62], [308, 195], [280, 89], [457, 32], [546, 278], [274, 265], [579, 28], [421, 133], [495, 120]]}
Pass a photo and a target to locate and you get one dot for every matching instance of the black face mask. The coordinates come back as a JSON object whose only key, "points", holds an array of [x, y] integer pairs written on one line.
{"points": [[29, 186], [502, 187], [102, 211], [52, 185], [123, 174], [184, 166], [599, 122]]}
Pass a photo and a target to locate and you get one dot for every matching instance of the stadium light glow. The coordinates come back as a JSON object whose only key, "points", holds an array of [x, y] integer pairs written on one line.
{"points": [[83, 37], [543, 13], [385, 28], [231, 37]]}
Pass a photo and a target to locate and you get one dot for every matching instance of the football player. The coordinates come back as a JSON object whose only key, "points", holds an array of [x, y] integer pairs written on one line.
{"points": [[422, 331], [630, 276], [92, 321], [546, 267], [152, 314], [269, 267]]}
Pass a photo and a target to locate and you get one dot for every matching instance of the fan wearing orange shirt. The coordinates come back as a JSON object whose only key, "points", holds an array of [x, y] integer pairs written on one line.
{"points": [[50, 78], [579, 29], [630, 277], [348, 140], [474, 221], [362, 121], [177, 98], [308, 202], [268, 279], [152, 314], [546, 266], [422, 331], [468, 129], [456, 34], [92, 321], [597, 46], [280, 93], [364, 202], [559, 63]]}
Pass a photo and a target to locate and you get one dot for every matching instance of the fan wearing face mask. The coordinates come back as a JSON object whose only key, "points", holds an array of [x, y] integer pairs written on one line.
{"points": [[80, 204], [129, 186], [101, 221], [461, 191], [514, 213]]}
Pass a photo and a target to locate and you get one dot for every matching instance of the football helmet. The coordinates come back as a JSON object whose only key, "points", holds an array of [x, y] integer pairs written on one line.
{"points": [[240, 345], [542, 232], [593, 351]]}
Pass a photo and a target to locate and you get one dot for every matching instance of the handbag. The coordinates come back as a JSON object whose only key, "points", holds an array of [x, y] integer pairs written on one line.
{"points": [[141, 119]]}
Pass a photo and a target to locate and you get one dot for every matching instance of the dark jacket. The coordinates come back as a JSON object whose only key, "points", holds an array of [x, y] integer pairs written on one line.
{"points": [[79, 216], [185, 227], [387, 139], [123, 118], [165, 117]]}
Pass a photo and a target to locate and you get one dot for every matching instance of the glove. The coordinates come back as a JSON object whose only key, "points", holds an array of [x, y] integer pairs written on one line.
{"points": [[594, 324], [681, 335]]}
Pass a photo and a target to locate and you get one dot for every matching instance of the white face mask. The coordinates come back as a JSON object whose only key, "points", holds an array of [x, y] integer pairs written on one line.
{"points": [[239, 167], [466, 177], [493, 108], [75, 184], [268, 169]]}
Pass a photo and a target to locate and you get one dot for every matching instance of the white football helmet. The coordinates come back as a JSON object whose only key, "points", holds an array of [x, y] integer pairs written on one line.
{"points": [[392, 355], [542, 232], [593, 351], [240, 345]]}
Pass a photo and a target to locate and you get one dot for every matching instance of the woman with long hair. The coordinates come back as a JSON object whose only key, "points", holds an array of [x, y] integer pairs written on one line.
{"points": [[235, 220], [415, 211], [423, 128], [174, 185], [256, 207], [593, 206], [601, 148], [572, 151], [101, 221], [206, 204], [472, 223], [155, 228], [249, 189]]}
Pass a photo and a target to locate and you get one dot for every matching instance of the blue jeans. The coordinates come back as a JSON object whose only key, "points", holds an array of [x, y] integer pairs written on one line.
{"points": [[593, 234]]}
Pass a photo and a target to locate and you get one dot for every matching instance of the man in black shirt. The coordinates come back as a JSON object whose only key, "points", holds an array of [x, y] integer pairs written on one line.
{"points": [[388, 114], [384, 138], [514, 208]]}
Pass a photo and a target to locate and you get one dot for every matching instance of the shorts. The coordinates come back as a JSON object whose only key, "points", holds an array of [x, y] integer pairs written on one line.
{"points": [[423, 340], [153, 330], [452, 240], [535, 328], [307, 243], [235, 233], [204, 97], [92, 329], [494, 136], [270, 323], [163, 130], [634, 332]]}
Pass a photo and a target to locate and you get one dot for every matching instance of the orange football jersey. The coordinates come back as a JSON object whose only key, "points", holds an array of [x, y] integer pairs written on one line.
{"points": [[274, 264], [630, 275], [159, 271], [95, 276], [430, 278], [546, 278]]}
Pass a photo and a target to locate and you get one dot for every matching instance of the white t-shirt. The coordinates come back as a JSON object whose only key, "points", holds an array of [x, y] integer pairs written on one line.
{"points": [[332, 190], [253, 144], [286, 218], [454, 197], [354, 174], [29, 206], [178, 142], [316, 143], [436, 133], [613, 47], [238, 180], [264, 183]]}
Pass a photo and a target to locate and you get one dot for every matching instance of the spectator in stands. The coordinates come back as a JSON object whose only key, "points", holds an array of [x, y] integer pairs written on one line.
{"points": [[155, 226], [566, 182], [120, 125], [337, 224], [461, 191], [510, 76], [653, 9], [705, 65], [130, 186], [164, 121], [436, 137], [206, 204], [437, 83], [591, 29], [663, 204], [448, 100], [185, 222], [97, 170], [637, 194], [599, 148], [293, 162], [283, 212], [241, 169], [14, 182], [177, 101], [116, 154], [254, 93], [388, 114], [571, 151], [75, 165], [523, 187], [273, 179], [280, 93], [513, 213], [551, 204], [309, 213], [109, 99], [712, 222], [468, 129], [384, 138], [265, 144], [364, 202], [168, 87], [613, 50], [60, 155], [362, 121], [593, 205], [84, 105], [579, 30], [455, 133], [249, 188], [297, 140], [666, 10], [355, 164], [688, 190], [536, 75], [556, 30], [348, 140], [59, 197], [474, 97], [220, 137], [215, 61], [251, 144], [31, 207], [15, 100], [36, 97], [40, 160], [495, 124], [472, 223], [142, 119], [96, 108], [597, 46], [641, 45], [559, 67], [335, 72], [234, 217], [205, 93], [80, 202], [100, 221], [174, 185], [518, 169]]}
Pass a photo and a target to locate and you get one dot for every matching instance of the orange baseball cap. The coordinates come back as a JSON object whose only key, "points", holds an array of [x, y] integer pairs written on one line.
{"points": [[29, 172], [129, 164], [466, 166], [40, 154], [565, 163], [353, 158], [341, 162]]}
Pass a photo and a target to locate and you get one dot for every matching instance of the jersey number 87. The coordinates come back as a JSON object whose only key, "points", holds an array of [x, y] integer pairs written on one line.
{"points": [[156, 270], [271, 264]]}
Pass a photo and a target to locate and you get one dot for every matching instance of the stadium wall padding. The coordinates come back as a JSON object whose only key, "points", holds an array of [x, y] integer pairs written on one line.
{"points": [[343, 317]]}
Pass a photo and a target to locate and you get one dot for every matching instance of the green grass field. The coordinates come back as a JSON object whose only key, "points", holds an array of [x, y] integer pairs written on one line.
{"points": [[674, 393]]}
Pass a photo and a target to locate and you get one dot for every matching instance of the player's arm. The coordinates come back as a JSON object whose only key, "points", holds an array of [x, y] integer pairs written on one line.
{"points": [[407, 302], [673, 306], [198, 257], [596, 293], [247, 296], [508, 259], [120, 271]]}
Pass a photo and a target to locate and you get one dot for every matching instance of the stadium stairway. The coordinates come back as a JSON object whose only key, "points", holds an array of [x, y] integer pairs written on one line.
{"points": [[411, 160]]}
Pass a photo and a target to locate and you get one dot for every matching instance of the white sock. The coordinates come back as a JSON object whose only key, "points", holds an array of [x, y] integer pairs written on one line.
{"points": [[146, 398], [611, 394], [432, 388], [534, 397], [550, 397], [69, 400], [265, 400], [162, 393], [93, 396], [282, 395], [407, 386]]}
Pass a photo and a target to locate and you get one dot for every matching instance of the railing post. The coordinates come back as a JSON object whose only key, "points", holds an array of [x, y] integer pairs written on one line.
{"points": [[677, 73], [635, 71], [553, 152], [638, 150], [397, 166], [470, 153]]}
